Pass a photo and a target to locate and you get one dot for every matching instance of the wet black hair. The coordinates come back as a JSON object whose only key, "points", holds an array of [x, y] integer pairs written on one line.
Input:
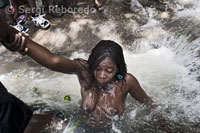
{"points": [[107, 48]]}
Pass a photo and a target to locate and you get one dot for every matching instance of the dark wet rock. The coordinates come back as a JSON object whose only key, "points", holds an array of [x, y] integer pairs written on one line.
{"points": [[199, 54], [158, 5], [194, 36], [184, 26], [153, 3], [122, 23]]}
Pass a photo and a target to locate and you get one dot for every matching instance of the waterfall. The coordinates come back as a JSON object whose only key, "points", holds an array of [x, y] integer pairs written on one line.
{"points": [[163, 54]]}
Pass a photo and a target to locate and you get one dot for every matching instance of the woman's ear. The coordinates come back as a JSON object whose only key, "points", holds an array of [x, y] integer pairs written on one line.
{"points": [[119, 76]]}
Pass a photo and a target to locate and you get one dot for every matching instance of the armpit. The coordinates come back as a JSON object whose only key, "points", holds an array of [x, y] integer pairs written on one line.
{"points": [[82, 62], [85, 73]]}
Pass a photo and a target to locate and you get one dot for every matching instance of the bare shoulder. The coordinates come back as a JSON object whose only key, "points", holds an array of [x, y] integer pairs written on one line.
{"points": [[132, 83], [134, 88], [130, 78]]}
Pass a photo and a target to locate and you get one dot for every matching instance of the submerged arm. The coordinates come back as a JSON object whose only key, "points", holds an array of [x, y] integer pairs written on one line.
{"points": [[139, 94]]}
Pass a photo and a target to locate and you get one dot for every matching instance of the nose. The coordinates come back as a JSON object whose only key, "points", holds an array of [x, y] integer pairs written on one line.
{"points": [[102, 75]]}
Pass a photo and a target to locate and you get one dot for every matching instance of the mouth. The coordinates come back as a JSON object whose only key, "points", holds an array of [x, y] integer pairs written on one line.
{"points": [[102, 82]]}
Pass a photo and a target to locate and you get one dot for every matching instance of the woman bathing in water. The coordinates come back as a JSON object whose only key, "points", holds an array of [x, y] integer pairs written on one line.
{"points": [[103, 78]]}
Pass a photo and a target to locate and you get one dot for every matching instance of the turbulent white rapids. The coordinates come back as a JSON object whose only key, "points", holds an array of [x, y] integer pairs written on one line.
{"points": [[166, 63]]}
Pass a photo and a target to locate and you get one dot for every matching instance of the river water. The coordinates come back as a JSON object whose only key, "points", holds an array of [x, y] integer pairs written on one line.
{"points": [[162, 53]]}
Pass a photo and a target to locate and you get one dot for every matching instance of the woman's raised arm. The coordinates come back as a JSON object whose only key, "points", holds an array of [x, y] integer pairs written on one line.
{"points": [[50, 60], [21, 43]]}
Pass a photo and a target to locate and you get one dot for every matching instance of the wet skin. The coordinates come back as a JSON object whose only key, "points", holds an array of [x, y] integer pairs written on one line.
{"points": [[96, 104], [105, 72], [108, 102]]}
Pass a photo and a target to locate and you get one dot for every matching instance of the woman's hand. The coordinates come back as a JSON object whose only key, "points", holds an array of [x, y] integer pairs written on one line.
{"points": [[163, 123], [152, 106]]}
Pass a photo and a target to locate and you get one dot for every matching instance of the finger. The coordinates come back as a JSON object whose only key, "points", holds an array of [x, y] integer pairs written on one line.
{"points": [[16, 37], [26, 50], [25, 34], [22, 44], [18, 42], [15, 45], [14, 42]]}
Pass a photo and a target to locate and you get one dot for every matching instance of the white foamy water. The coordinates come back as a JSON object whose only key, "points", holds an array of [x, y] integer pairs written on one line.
{"points": [[166, 66], [51, 86], [165, 74]]}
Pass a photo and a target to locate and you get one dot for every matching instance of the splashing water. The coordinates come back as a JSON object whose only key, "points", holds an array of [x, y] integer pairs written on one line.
{"points": [[166, 65], [169, 73]]}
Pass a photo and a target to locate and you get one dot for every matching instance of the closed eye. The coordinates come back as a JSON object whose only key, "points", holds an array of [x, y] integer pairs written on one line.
{"points": [[109, 70], [98, 69]]}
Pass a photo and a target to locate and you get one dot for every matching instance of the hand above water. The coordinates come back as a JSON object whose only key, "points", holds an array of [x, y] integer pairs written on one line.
{"points": [[19, 44], [11, 39]]}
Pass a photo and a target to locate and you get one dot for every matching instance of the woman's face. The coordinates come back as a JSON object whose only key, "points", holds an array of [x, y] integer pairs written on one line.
{"points": [[105, 72]]}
